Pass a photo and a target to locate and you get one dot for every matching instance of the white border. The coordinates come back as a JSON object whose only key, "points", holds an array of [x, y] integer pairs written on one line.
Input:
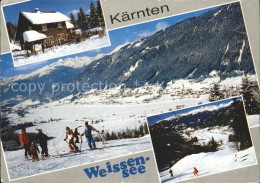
{"points": [[146, 117], [41, 60], [185, 179]]}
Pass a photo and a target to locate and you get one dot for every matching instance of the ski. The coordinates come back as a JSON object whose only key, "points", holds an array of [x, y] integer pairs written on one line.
{"points": [[244, 156]]}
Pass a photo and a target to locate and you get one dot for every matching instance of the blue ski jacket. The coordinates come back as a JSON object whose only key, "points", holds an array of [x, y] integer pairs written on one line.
{"points": [[88, 131]]}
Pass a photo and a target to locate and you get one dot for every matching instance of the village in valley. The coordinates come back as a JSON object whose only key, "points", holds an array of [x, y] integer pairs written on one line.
{"points": [[42, 35]]}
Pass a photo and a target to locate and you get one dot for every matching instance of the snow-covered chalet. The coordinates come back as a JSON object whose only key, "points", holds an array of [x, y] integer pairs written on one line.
{"points": [[47, 27]]}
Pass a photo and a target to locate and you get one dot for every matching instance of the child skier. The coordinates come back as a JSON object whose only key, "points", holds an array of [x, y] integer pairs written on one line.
{"points": [[70, 136], [103, 137], [76, 134], [195, 172], [34, 151]]}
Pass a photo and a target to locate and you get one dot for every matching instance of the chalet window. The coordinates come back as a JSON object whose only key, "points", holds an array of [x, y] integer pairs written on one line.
{"points": [[29, 28], [44, 28], [59, 25]]}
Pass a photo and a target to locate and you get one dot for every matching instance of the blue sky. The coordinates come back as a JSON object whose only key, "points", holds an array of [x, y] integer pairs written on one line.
{"points": [[154, 119], [117, 37], [64, 6]]}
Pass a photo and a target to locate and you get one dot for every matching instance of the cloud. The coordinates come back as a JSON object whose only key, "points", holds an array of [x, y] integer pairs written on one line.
{"points": [[74, 12], [159, 26], [145, 33]]}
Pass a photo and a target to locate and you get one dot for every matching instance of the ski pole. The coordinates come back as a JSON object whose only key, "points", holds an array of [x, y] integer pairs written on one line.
{"points": [[80, 142], [55, 148]]}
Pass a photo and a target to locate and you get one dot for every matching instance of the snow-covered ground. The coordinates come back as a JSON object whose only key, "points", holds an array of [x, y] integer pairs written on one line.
{"points": [[59, 51], [113, 109], [226, 158], [18, 167]]}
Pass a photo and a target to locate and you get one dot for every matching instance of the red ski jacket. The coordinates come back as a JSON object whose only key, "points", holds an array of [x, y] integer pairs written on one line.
{"points": [[70, 135], [34, 149], [24, 139]]}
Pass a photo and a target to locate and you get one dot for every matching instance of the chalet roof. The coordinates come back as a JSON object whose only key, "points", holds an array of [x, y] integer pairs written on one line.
{"points": [[45, 17], [69, 25], [32, 35]]}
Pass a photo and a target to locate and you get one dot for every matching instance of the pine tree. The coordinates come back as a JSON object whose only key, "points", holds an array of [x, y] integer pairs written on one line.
{"points": [[113, 136], [93, 18], [124, 136], [136, 133], [146, 131], [251, 95], [73, 19], [141, 130], [11, 29], [108, 137], [100, 14], [215, 93], [82, 20], [239, 124]]}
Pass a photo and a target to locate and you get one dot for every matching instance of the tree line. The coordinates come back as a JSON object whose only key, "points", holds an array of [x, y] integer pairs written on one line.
{"points": [[249, 91], [137, 132], [88, 21]]}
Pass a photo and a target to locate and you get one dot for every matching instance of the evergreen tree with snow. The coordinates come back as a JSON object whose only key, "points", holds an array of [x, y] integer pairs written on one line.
{"points": [[215, 93], [100, 14], [251, 95], [73, 19]]}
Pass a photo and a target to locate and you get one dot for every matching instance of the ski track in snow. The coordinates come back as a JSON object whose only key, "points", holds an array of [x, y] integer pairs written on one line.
{"points": [[211, 162], [18, 167]]}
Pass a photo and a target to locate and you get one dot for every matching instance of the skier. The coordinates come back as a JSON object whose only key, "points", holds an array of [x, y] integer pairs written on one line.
{"points": [[43, 143], [70, 136], [103, 137], [195, 172], [76, 134], [171, 172], [25, 141], [236, 158], [34, 151], [88, 130]]}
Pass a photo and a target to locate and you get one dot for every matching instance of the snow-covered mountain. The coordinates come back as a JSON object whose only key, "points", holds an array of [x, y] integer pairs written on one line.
{"points": [[198, 47], [213, 44]]}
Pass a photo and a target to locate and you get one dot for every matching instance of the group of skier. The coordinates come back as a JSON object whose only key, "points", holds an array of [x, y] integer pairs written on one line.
{"points": [[195, 172], [29, 146], [72, 138]]}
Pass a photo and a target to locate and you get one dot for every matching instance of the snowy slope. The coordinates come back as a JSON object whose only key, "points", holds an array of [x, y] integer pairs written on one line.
{"points": [[212, 162], [89, 44], [20, 168]]}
